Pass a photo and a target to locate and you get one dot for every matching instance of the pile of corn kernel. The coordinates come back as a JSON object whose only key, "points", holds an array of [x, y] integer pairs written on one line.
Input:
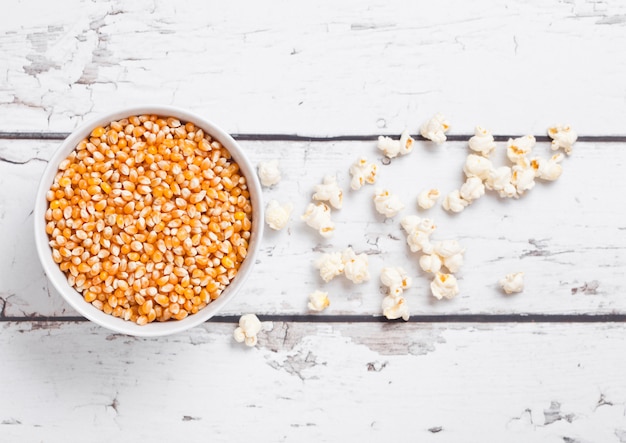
{"points": [[149, 218]]}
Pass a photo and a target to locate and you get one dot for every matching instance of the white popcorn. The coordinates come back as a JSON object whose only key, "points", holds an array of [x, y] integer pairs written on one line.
{"points": [[548, 169], [444, 286], [330, 265], [317, 216], [523, 178], [518, 148], [389, 146], [249, 327], [329, 191], [355, 266], [392, 148], [419, 241], [277, 215], [477, 166], [448, 248], [454, 202], [562, 137], [472, 189], [430, 263], [318, 301], [482, 141], [362, 172], [512, 283], [387, 204], [412, 223], [427, 198], [500, 180], [454, 262], [396, 279], [435, 129], [406, 143], [395, 306], [269, 173]]}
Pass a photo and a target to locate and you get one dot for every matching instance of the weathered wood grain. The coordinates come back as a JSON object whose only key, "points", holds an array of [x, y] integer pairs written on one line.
{"points": [[567, 236], [315, 382], [319, 67]]}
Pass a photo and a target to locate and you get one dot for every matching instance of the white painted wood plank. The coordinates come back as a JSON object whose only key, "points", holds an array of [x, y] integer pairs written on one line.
{"points": [[567, 236], [316, 382], [319, 67]]}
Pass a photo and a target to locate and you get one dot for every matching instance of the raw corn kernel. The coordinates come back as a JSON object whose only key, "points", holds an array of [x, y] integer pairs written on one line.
{"points": [[150, 218]]}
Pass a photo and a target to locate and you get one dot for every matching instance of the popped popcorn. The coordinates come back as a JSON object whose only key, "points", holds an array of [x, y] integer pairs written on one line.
{"points": [[391, 148], [562, 137], [500, 180], [362, 172], [395, 306], [518, 148], [477, 166], [355, 266], [435, 129], [448, 248], [269, 173], [277, 215], [317, 216], [430, 263], [482, 141], [550, 169], [318, 301], [396, 279], [444, 286], [512, 283], [454, 202], [419, 241], [387, 204], [427, 198], [418, 232], [329, 191], [330, 265], [453, 263], [249, 327], [472, 189], [523, 178]]}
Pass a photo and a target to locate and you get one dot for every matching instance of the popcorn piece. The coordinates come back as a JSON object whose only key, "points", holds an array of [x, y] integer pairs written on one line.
{"points": [[419, 241], [523, 178], [355, 266], [444, 286], [269, 174], [453, 263], [500, 180], [548, 169], [395, 306], [482, 141], [249, 327], [277, 215], [362, 172], [448, 248], [427, 198], [518, 148], [318, 301], [473, 189], [562, 137], [430, 263], [317, 216], [329, 191], [418, 232], [512, 283], [387, 204], [435, 129], [477, 166], [396, 279], [330, 265], [392, 148], [454, 202]]}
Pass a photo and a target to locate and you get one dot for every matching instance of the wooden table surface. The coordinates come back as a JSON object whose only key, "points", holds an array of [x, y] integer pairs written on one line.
{"points": [[313, 85]]}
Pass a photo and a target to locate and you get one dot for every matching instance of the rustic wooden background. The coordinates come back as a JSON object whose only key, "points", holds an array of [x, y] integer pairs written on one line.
{"points": [[313, 85]]}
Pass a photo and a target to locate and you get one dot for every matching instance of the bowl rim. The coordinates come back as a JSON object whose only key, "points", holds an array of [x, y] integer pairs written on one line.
{"points": [[58, 278]]}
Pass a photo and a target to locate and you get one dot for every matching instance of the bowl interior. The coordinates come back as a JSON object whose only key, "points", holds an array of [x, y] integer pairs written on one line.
{"points": [[74, 298]]}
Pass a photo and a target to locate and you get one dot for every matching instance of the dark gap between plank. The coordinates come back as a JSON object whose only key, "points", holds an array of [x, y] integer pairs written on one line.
{"points": [[306, 138], [440, 318]]}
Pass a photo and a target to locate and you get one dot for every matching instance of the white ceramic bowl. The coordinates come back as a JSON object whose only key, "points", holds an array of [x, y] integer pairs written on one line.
{"points": [[74, 298]]}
